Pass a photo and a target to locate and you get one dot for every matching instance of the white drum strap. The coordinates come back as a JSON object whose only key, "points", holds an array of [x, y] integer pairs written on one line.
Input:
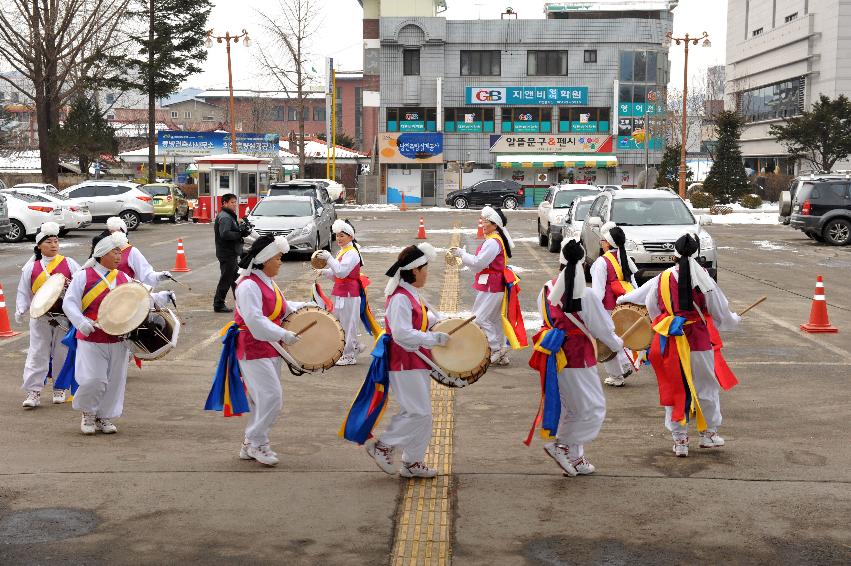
{"points": [[579, 324]]}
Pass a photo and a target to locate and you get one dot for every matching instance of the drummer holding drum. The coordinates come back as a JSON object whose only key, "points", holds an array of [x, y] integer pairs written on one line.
{"points": [[46, 351]]}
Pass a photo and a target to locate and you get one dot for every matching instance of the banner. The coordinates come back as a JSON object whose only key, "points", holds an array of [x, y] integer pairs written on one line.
{"points": [[528, 96], [511, 143], [198, 144], [410, 147]]}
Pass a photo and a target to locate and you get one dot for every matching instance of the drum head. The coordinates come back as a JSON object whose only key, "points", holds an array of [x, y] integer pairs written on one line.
{"points": [[124, 309], [319, 347], [467, 355], [624, 316], [47, 295], [317, 262]]}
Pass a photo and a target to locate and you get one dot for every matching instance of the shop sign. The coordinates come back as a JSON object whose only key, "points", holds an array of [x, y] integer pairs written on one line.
{"points": [[198, 144], [410, 147], [510, 143], [528, 96]]}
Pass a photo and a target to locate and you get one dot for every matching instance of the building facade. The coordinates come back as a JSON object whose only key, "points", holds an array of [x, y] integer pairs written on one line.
{"points": [[539, 101], [781, 56]]}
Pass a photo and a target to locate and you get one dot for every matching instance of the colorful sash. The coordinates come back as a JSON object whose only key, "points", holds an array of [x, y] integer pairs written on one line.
{"points": [[510, 311], [321, 299], [103, 286], [549, 359], [368, 407], [621, 286], [366, 316], [66, 378], [46, 272]]}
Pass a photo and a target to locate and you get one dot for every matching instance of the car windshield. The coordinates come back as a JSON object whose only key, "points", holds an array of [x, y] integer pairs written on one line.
{"points": [[581, 210], [650, 211], [564, 198], [293, 190], [157, 190], [291, 208]]}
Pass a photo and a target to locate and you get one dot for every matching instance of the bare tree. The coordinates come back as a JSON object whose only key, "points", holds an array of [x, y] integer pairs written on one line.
{"points": [[52, 44], [286, 54], [695, 108]]}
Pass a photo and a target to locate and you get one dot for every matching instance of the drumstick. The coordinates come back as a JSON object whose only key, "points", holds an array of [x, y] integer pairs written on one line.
{"points": [[306, 328], [752, 306], [635, 326], [462, 325], [188, 288]]}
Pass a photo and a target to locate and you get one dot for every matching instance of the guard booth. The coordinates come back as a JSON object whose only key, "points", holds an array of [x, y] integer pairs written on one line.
{"points": [[245, 176]]}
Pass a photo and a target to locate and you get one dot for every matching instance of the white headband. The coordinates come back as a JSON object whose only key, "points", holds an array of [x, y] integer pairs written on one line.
{"points": [[344, 227], [116, 240], [491, 215], [280, 245], [429, 253], [605, 232], [47, 230], [114, 223]]}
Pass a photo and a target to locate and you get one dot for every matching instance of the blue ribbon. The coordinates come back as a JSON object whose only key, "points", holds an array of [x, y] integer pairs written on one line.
{"points": [[370, 401], [228, 375], [553, 342], [66, 378], [675, 329]]}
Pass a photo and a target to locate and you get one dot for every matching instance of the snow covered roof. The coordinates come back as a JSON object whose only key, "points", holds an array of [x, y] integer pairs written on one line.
{"points": [[20, 162], [318, 148], [609, 5], [245, 93], [134, 129]]}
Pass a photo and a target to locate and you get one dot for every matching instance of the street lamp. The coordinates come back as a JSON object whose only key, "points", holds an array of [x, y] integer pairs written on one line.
{"points": [[227, 38], [694, 41]]}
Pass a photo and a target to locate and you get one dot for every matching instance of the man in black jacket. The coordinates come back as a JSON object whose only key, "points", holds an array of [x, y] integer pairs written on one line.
{"points": [[228, 236]]}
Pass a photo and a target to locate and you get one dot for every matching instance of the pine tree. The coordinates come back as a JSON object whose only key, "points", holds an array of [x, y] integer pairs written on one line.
{"points": [[167, 47], [86, 134], [821, 136], [727, 179], [669, 168]]}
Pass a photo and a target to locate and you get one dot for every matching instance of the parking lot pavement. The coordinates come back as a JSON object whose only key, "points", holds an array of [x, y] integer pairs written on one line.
{"points": [[169, 487]]}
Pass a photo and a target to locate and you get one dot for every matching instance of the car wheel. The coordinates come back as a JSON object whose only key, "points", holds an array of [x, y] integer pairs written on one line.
{"points": [[542, 238], [131, 218], [17, 232], [510, 203], [173, 218], [555, 245], [460, 202], [837, 232]]}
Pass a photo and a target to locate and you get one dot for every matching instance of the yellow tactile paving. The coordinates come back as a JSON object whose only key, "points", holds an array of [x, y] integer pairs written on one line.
{"points": [[422, 531]]}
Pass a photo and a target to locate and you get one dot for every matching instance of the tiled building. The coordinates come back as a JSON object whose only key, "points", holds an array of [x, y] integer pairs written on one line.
{"points": [[536, 100]]}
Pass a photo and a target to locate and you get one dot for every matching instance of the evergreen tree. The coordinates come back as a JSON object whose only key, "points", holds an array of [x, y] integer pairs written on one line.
{"points": [[167, 47], [727, 179], [821, 136], [343, 139], [669, 169], [86, 134], [6, 128]]}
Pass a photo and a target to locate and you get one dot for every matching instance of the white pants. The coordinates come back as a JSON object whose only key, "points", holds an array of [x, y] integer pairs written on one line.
{"points": [[45, 344], [410, 428], [488, 310], [101, 372], [583, 408], [618, 365], [347, 310], [708, 394], [262, 378]]}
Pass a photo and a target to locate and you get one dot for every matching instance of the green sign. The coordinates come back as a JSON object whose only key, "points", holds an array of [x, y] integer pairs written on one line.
{"points": [[412, 126]]}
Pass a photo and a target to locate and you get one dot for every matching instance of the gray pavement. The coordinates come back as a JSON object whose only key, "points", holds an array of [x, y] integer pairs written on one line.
{"points": [[168, 488]]}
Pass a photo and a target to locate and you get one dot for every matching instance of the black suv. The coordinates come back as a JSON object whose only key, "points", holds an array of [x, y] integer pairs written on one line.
{"points": [[500, 192], [821, 208]]}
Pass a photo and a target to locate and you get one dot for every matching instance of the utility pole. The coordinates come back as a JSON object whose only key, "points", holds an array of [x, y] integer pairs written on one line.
{"points": [[227, 38]]}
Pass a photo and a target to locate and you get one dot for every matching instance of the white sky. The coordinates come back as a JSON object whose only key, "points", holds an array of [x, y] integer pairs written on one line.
{"points": [[340, 35]]}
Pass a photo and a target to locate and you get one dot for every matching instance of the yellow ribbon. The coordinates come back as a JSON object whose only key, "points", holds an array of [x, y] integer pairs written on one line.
{"points": [[627, 286], [99, 289], [46, 272]]}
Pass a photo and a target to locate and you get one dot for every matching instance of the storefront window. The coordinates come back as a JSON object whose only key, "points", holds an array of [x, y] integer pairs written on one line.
{"points": [[411, 119], [468, 120], [533, 119], [778, 100], [583, 120]]}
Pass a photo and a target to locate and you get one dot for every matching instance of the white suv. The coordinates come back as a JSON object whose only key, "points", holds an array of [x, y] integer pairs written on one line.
{"points": [[114, 198], [27, 213], [553, 210], [652, 220]]}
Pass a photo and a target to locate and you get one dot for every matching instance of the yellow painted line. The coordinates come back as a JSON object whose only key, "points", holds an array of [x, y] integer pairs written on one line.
{"points": [[424, 525]]}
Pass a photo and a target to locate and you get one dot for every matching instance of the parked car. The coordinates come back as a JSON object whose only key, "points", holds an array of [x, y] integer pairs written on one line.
{"points": [[652, 220], [335, 190], [575, 217], [611, 187], [5, 225], [114, 198], [821, 208], [304, 220], [499, 192], [552, 211], [169, 201], [27, 213], [74, 215], [45, 187]]}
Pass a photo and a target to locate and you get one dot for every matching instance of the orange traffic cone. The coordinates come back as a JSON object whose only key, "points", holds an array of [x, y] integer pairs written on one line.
{"points": [[403, 208], [818, 322], [203, 217], [180, 259], [421, 235], [480, 233], [5, 329]]}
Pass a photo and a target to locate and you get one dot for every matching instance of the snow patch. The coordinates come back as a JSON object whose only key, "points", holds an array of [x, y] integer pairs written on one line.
{"points": [[772, 246], [518, 269], [524, 239], [745, 218]]}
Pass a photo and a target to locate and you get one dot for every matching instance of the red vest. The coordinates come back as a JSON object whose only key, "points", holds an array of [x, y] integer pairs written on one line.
{"points": [[401, 359], [124, 266], [577, 347], [610, 297], [697, 333], [91, 312], [62, 268], [247, 346], [494, 271], [348, 286]]}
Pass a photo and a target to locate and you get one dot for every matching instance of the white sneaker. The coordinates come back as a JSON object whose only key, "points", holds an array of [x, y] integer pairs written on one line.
{"points": [[614, 381], [383, 456], [558, 452], [105, 426], [710, 439], [263, 454], [33, 400], [417, 470], [87, 424], [500, 357], [681, 447], [583, 467], [58, 396], [346, 361], [243, 451]]}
